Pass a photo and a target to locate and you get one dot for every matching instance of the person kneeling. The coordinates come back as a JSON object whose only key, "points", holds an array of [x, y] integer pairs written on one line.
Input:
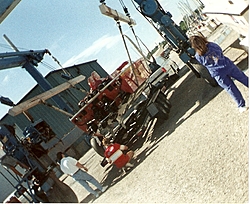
{"points": [[114, 154]]}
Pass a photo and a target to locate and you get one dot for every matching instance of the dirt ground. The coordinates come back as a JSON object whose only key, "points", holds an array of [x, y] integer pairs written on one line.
{"points": [[199, 155]]}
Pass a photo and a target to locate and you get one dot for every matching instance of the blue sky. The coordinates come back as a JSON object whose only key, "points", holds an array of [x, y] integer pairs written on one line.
{"points": [[74, 32]]}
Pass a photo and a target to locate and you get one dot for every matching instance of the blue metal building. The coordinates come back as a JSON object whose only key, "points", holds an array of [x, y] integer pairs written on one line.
{"points": [[58, 121]]}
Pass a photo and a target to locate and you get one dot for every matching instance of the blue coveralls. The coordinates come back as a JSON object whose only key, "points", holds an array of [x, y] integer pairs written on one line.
{"points": [[222, 69]]}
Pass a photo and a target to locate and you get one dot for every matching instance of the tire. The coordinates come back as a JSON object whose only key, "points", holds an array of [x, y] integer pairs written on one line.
{"points": [[203, 72], [120, 136], [161, 99], [163, 112], [168, 102], [163, 105], [99, 149], [162, 96]]}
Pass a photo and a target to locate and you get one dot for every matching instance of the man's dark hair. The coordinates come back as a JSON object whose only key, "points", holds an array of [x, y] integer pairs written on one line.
{"points": [[199, 43], [106, 141], [59, 156]]}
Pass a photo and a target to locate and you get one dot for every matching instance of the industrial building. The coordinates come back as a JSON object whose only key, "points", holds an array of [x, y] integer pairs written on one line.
{"points": [[68, 137], [58, 121], [232, 13]]}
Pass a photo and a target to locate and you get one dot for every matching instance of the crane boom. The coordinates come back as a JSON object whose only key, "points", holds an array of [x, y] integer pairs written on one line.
{"points": [[28, 60], [17, 59]]}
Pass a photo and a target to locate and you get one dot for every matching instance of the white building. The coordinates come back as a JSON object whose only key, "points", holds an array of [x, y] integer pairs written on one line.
{"points": [[234, 13]]}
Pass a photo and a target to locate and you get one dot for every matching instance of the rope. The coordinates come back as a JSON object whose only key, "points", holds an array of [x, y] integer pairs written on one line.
{"points": [[5, 46], [130, 25], [45, 64], [126, 47], [135, 36], [56, 108], [64, 70], [80, 89], [49, 66], [8, 47], [138, 49], [125, 9]]}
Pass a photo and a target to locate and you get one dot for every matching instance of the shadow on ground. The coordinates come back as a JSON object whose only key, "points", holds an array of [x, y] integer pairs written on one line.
{"points": [[187, 96]]}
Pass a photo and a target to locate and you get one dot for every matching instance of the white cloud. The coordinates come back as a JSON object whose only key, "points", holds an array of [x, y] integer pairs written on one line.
{"points": [[105, 42], [172, 8], [5, 80], [56, 44], [110, 66]]}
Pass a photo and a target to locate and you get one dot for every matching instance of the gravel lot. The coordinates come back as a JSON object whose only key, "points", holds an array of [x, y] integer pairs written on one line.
{"points": [[199, 155]]}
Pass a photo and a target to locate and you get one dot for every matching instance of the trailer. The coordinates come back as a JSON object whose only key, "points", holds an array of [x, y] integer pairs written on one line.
{"points": [[121, 106]]}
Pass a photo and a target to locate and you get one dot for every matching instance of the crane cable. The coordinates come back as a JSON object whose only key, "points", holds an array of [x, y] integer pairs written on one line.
{"points": [[146, 58], [45, 64], [130, 61], [126, 47], [125, 9], [64, 70], [136, 36], [153, 24]]}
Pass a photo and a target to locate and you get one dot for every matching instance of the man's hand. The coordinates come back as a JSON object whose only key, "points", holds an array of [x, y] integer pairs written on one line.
{"points": [[98, 134], [84, 168], [81, 166], [109, 161]]}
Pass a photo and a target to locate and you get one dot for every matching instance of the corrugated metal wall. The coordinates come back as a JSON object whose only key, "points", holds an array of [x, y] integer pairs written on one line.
{"points": [[58, 121]]}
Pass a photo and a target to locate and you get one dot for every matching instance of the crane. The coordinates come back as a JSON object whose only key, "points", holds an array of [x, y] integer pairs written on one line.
{"points": [[162, 21], [28, 60]]}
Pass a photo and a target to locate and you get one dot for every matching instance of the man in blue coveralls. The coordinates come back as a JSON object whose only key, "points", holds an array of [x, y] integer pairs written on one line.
{"points": [[220, 68]]}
